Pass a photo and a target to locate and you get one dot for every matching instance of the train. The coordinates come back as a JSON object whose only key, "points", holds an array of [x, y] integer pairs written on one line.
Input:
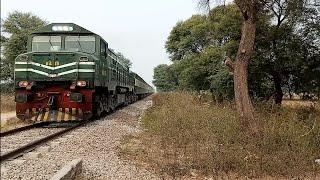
{"points": [[70, 74]]}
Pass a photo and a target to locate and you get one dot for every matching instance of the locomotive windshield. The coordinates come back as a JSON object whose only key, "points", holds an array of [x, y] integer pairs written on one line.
{"points": [[46, 43], [72, 43], [80, 43]]}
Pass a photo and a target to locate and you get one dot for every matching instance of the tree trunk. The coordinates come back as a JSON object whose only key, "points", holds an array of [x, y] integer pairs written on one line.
{"points": [[242, 97], [278, 89]]}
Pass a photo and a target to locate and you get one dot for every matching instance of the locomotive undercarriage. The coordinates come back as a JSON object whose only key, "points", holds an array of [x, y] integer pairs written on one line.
{"points": [[108, 101]]}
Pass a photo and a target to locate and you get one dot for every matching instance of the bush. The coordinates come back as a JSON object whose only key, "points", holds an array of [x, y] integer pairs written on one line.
{"points": [[183, 134]]}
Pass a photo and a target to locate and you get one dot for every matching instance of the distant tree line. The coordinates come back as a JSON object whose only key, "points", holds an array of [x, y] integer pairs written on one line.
{"points": [[286, 59]]}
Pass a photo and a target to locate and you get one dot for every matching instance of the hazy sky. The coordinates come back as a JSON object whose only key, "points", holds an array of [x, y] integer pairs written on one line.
{"points": [[136, 28]]}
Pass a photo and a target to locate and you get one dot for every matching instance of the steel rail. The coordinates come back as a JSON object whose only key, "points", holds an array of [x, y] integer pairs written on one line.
{"points": [[20, 129], [36, 143]]}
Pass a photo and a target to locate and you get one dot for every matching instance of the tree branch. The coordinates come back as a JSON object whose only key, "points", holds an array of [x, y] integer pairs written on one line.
{"points": [[229, 63]]}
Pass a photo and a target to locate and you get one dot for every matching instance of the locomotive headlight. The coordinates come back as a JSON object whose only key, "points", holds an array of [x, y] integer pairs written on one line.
{"points": [[81, 83], [23, 83], [65, 28], [62, 28]]}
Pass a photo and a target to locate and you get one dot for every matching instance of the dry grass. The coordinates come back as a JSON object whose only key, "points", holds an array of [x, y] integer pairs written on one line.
{"points": [[300, 104], [12, 123], [7, 103], [184, 137]]}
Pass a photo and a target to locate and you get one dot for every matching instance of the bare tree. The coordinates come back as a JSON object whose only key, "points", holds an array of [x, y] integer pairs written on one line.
{"points": [[206, 4]]}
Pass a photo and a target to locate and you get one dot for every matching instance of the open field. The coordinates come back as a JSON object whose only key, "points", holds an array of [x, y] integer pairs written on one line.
{"points": [[184, 137]]}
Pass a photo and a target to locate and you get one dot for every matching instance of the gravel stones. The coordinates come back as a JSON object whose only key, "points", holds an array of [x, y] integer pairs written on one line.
{"points": [[14, 141], [96, 144], [32, 155], [45, 149]]}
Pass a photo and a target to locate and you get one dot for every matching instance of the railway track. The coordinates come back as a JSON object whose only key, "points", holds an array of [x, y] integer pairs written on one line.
{"points": [[30, 145], [20, 129]]}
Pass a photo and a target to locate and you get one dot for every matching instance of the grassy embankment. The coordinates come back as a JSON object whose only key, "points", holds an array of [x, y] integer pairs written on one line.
{"points": [[8, 105], [185, 137]]}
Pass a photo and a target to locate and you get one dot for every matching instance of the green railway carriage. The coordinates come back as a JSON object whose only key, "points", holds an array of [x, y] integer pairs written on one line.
{"points": [[69, 73], [141, 88]]}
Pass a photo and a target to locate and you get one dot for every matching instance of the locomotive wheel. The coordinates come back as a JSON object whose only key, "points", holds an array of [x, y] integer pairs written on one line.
{"points": [[105, 104], [98, 107], [113, 103]]}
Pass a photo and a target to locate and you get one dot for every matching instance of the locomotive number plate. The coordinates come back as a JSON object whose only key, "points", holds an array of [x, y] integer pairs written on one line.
{"points": [[52, 63]]}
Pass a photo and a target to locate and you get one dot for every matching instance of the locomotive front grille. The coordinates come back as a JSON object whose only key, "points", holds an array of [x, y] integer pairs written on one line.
{"points": [[62, 114]]}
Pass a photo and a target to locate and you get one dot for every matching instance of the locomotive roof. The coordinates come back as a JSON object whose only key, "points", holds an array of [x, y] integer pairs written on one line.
{"points": [[63, 28]]}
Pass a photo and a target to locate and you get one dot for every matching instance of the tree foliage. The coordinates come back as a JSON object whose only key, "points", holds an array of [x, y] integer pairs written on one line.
{"points": [[285, 60], [189, 37], [165, 78], [17, 26], [287, 49], [197, 48]]}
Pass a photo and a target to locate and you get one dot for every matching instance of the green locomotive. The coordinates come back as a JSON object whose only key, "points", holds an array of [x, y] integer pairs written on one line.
{"points": [[69, 73]]}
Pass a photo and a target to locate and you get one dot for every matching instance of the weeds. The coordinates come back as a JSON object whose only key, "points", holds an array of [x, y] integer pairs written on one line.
{"points": [[183, 134]]}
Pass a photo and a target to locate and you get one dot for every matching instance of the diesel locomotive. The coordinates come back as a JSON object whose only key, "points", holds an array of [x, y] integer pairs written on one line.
{"points": [[69, 74]]}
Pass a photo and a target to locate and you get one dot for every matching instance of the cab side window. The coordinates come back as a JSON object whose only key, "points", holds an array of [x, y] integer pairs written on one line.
{"points": [[103, 49]]}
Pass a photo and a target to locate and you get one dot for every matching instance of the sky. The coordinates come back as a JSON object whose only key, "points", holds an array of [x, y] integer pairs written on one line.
{"points": [[136, 28]]}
